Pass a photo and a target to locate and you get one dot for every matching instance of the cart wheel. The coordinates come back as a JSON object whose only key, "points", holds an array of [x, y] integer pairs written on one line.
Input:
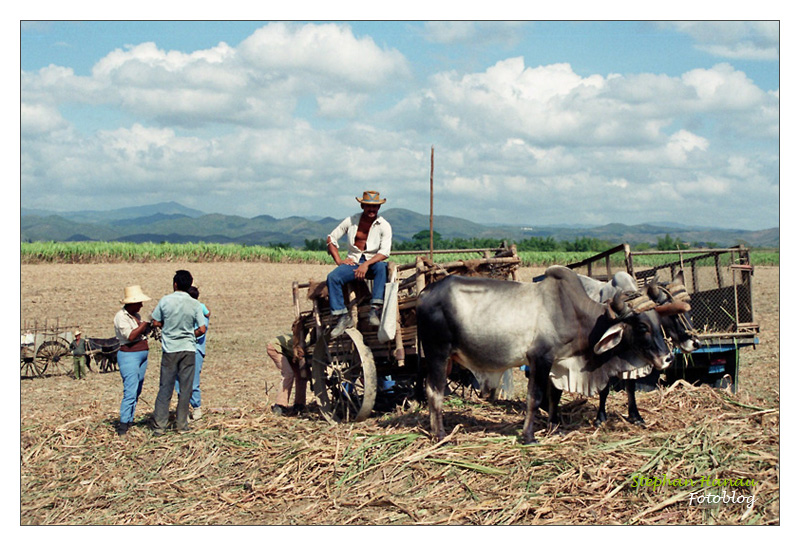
{"points": [[30, 367], [51, 356], [344, 377]]}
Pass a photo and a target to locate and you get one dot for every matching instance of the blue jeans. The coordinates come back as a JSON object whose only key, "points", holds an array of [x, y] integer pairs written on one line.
{"points": [[345, 273], [132, 367], [194, 401]]}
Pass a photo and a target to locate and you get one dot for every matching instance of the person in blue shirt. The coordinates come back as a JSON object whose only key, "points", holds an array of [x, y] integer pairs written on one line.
{"points": [[200, 355], [181, 320]]}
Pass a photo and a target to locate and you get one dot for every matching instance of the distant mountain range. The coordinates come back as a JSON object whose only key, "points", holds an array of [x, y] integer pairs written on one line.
{"points": [[175, 223]]}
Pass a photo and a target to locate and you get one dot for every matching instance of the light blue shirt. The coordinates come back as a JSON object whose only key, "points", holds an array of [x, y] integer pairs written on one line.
{"points": [[201, 341], [180, 315]]}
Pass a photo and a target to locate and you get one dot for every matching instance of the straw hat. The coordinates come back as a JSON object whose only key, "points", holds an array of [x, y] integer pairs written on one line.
{"points": [[77, 333], [371, 198], [134, 294]]}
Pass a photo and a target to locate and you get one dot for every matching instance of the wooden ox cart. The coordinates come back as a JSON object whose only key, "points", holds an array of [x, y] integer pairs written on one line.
{"points": [[44, 348], [371, 367]]}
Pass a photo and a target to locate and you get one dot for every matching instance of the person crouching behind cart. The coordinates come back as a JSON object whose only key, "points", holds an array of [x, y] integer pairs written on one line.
{"points": [[131, 332], [369, 243], [288, 354]]}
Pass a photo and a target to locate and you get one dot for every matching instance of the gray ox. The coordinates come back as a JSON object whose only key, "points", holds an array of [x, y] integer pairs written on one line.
{"points": [[673, 310], [489, 325]]}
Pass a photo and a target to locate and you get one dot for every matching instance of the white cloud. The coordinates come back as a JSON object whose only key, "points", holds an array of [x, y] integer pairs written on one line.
{"points": [[341, 105], [541, 143], [40, 119], [472, 33], [257, 83], [552, 104], [723, 88], [705, 186], [327, 52], [682, 144], [750, 40]]}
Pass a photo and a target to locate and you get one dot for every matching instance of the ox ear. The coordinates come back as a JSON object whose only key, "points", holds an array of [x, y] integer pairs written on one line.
{"points": [[611, 338]]}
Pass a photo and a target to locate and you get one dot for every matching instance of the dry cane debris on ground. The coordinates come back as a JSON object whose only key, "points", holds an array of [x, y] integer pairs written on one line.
{"points": [[242, 465], [247, 466]]}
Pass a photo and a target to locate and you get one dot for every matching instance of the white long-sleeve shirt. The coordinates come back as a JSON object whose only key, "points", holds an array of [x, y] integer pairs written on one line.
{"points": [[379, 237]]}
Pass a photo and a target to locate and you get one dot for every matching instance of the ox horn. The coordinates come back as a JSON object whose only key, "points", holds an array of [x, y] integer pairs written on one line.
{"points": [[658, 294], [619, 308]]}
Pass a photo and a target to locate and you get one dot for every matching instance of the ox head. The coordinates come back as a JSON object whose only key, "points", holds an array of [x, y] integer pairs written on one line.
{"points": [[674, 308], [636, 330]]}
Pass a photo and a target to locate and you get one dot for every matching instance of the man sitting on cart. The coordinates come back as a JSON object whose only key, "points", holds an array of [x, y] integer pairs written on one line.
{"points": [[369, 243]]}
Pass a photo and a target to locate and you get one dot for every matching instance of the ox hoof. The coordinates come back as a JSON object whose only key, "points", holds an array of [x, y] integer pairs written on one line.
{"points": [[530, 441], [600, 420], [638, 421]]}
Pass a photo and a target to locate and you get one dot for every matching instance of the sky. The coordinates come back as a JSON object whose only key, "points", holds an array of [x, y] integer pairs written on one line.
{"points": [[531, 123]]}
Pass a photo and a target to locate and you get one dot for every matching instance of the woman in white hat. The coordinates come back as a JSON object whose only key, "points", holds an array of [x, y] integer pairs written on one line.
{"points": [[131, 332]]}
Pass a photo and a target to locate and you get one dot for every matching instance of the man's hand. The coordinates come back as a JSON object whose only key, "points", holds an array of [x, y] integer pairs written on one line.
{"points": [[361, 271]]}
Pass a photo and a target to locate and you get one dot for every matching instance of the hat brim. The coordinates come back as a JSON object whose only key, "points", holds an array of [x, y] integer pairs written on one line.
{"points": [[135, 299], [366, 202]]}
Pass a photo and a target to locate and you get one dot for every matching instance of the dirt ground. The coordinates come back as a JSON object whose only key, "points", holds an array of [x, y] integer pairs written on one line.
{"points": [[250, 303], [64, 421]]}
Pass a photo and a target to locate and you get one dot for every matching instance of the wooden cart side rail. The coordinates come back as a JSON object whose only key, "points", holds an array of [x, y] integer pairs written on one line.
{"points": [[704, 252], [695, 255], [450, 251], [589, 262], [47, 327], [461, 263]]}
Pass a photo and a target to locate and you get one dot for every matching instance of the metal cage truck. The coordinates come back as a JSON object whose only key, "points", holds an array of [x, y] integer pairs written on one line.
{"points": [[719, 282]]}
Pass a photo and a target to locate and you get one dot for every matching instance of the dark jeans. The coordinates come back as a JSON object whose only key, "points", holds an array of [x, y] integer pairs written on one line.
{"points": [[174, 366], [345, 273]]}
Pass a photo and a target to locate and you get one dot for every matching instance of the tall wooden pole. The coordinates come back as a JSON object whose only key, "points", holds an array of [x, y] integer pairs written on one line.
{"points": [[431, 217]]}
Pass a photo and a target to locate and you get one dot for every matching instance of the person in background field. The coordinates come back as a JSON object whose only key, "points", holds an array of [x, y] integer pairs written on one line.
{"points": [[78, 348], [131, 332], [181, 320], [200, 355], [369, 242], [289, 357]]}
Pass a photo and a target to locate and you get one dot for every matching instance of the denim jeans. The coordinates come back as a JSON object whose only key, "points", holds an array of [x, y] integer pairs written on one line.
{"points": [[345, 273], [132, 367], [178, 365], [198, 367]]}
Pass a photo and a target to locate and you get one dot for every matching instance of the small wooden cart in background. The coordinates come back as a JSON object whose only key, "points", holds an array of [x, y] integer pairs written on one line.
{"points": [[44, 348]]}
